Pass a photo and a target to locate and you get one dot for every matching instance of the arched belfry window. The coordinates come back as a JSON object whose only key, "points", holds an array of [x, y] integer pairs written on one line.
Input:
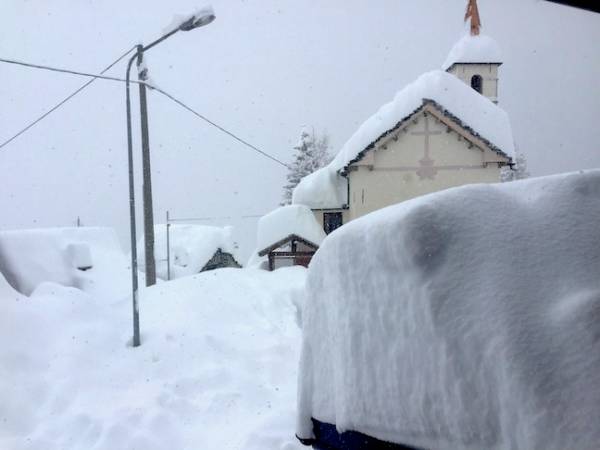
{"points": [[477, 83]]}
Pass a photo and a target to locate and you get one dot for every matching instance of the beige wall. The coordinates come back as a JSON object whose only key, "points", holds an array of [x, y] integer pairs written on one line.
{"points": [[394, 172], [489, 73]]}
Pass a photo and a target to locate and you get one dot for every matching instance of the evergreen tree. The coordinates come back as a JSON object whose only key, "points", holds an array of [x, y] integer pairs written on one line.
{"points": [[311, 153]]}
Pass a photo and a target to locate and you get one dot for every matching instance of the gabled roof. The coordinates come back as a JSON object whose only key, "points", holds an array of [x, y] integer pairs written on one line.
{"points": [[474, 112], [430, 105], [285, 240]]}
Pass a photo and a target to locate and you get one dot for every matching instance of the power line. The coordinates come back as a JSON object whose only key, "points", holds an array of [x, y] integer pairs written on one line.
{"points": [[65, 100], [183, 105], [69, 71], [193, 219], [166, 94]]}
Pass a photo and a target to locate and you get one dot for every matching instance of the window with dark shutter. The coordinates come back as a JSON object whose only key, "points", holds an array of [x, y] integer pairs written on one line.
{"points": [[331, 221], [477, 83]]}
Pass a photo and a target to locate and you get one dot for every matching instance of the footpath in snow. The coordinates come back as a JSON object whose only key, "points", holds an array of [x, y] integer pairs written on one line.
{"points": [[216, 369]]}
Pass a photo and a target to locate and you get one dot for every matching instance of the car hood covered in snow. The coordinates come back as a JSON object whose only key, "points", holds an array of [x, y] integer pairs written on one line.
{"points": [[465, 319]]}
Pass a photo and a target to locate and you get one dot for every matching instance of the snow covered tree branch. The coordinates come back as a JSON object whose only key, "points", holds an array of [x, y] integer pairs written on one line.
{"points": [[311, 153]]}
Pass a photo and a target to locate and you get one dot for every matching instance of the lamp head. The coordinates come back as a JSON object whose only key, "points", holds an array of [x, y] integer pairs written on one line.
{"points": [[200, 19]]}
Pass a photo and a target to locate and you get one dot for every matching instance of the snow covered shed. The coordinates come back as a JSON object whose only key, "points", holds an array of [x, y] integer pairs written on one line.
{"points": [[192, 249], [288, 236], [467, 319]]}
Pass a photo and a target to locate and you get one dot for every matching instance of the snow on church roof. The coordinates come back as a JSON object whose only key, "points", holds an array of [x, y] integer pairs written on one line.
{"points": [[326, 189], [473, 49], [323, 189]]}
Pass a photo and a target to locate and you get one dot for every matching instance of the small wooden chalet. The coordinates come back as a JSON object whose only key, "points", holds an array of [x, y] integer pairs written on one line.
{"points": [[289, 251], [288, 236]]}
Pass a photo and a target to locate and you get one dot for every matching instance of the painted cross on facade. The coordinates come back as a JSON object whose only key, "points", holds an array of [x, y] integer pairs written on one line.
{"points": [[426, 169]]}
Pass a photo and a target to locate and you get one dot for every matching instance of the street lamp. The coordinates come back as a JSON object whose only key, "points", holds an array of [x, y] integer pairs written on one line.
{"points": [[199, 19]]}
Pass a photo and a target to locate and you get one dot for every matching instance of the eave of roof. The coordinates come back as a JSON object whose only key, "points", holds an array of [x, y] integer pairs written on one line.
{"points": [[284, 240], [470, 63]]}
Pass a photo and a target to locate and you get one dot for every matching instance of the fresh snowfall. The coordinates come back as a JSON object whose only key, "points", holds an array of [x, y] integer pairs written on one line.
{"points": [[216, 368]]}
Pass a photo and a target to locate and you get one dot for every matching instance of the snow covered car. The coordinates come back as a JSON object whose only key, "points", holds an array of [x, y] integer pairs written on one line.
{"points": [[464, 319]]}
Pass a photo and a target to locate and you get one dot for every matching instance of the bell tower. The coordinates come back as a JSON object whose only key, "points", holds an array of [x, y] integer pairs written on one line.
{"points": [[475, 58]]}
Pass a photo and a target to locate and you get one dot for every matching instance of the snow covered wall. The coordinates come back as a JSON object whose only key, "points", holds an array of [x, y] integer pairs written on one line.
{"points": [[465, 319]]}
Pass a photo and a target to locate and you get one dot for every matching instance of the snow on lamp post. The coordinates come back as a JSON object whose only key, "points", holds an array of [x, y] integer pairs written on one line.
{"points": [[201, 18]]}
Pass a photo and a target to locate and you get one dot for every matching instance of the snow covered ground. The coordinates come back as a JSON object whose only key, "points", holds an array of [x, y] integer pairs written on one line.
{"points": [[216, 369]]}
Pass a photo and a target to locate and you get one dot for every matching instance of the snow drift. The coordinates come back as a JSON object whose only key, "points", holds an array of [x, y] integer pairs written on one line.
{"points": [[216, 368], [464, 319], [89, 258]]}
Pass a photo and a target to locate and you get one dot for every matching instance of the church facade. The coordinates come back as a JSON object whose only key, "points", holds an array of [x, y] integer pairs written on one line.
{"points": [[441, 131]]}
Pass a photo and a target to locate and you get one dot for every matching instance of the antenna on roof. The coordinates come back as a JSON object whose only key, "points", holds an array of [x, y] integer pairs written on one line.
{"points": [[473, 14]]}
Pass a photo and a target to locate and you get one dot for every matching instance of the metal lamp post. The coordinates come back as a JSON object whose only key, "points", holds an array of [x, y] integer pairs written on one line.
{"points": [[198, 20]]}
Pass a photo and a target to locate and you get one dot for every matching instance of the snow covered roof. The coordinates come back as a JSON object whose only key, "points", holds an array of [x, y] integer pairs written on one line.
{"points": [[478, 114], [466, 318], [191, 247], [473, 49], [322, 189], [289, 220]]}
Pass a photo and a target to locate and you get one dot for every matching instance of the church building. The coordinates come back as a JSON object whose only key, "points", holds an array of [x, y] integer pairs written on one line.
{"points": [[445, 129]]}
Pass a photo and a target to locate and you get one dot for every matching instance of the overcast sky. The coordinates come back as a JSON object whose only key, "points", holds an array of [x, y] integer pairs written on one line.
{"points": [[262, 69]]}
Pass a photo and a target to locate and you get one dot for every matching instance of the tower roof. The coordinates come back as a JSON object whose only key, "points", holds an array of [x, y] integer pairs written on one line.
{"points": [[473, 47]]}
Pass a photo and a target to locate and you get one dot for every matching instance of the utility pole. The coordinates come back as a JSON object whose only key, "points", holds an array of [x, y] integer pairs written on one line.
{"points": [[199, 19], [132, 226], [150, 263], [168, 250]]}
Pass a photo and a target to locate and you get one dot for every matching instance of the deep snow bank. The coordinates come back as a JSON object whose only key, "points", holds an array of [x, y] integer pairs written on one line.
{"points": [[216, 368], [31, 257], [465, 319]]}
